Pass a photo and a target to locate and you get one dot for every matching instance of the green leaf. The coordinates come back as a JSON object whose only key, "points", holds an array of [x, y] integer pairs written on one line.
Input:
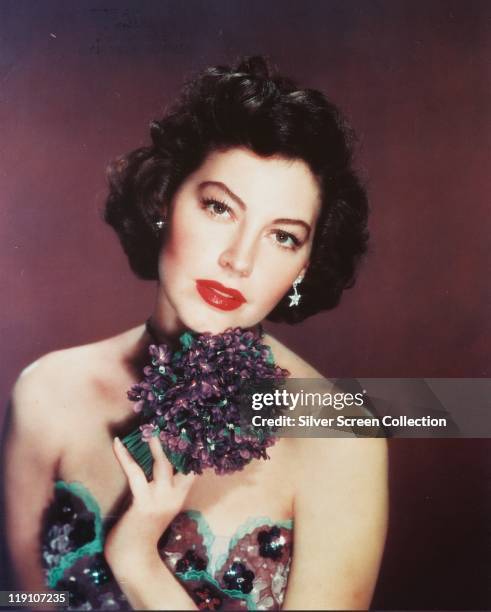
{"points": [[186, 340]]}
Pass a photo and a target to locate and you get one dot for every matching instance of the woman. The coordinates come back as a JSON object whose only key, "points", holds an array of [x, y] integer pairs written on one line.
{"points": [[245, 207]]}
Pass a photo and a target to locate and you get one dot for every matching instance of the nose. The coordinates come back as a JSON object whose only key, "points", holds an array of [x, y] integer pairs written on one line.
{"points": [[238, 256]]}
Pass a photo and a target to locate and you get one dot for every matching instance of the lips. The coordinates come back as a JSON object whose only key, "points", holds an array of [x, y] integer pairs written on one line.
{"points": [[218, 295]]}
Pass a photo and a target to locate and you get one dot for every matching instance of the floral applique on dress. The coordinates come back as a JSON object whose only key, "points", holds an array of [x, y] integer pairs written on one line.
{"points": [[248, 571]]}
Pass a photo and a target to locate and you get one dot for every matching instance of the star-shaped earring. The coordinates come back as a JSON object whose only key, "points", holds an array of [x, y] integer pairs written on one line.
{"points": [[295, 297]]}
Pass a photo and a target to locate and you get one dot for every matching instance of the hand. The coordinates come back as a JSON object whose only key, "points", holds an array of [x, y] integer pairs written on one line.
{"points": [[134, 537]]}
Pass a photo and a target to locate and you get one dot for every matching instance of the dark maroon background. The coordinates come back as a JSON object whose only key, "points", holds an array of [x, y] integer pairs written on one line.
{"points": [[79, 82]]}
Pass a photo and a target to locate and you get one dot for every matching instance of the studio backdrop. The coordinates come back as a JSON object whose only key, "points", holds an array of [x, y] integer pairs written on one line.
{"points": [[79, 84]]}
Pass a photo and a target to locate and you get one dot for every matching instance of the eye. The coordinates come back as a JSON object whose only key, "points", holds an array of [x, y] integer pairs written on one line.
{"points": [[286, 240], [216, 208]]}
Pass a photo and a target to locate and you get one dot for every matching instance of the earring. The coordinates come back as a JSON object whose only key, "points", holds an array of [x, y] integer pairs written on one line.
{"points": [[295, 296], [160, 224]]}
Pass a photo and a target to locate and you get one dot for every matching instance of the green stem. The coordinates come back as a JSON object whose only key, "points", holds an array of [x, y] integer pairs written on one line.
{"points": [[141, 453]]}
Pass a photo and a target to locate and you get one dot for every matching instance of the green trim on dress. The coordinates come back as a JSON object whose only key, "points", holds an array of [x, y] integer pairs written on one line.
{"points": [[91, 548], [244, 529]]}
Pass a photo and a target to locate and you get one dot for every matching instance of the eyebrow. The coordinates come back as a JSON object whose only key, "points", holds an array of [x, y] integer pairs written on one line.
{"points": [[242, 205]]}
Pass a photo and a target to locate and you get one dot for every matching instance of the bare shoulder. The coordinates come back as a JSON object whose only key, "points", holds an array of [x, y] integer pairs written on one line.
{"points": [[289, 360], [38, 409], [54, 386], [346, 452], [347, 449], [350, 466], [52, 372]]}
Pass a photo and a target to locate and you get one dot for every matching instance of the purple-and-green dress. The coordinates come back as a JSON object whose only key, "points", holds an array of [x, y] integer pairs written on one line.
{"points": [[248, 571]]}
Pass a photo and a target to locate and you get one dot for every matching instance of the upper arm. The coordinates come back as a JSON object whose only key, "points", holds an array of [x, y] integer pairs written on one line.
{"points": [[341, 512], [30, 453]]}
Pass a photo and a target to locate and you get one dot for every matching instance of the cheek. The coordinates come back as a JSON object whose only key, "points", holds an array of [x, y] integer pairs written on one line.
{"points": [[183, 242], [194, 241], [275, 275], [277, 291]]}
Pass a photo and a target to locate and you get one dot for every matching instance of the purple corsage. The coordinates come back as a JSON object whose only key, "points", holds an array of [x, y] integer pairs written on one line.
{"points": [[193, 400]]}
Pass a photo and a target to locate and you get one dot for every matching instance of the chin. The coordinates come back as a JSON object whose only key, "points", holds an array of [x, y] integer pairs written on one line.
{"points": [[216, 322]]}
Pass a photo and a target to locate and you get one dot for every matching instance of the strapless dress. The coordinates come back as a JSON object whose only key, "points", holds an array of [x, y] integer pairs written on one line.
{"points": [[248, 571]]}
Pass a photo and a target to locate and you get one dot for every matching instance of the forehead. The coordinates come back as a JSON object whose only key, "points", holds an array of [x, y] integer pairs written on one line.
{"points": [[273, 184]]}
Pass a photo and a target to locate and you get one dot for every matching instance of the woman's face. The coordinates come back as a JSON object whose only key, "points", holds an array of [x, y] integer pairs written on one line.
{"points": [[240, 232]]}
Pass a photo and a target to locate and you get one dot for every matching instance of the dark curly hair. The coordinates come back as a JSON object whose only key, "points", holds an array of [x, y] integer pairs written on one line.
{"points": [[247, 106]]}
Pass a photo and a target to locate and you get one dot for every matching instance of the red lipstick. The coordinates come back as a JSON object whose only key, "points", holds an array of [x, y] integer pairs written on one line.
{"points": [[218, 295]]}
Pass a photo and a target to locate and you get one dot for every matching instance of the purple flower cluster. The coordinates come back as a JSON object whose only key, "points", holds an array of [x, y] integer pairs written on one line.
{"points": [[192, 398]]}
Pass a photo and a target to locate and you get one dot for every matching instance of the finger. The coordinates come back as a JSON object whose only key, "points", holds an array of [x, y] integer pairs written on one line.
{"points": [[184, 482], [133, 472], [162, 468]]}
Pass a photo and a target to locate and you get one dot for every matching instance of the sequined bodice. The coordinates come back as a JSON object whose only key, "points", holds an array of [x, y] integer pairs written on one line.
{"points": [[248, 571]]}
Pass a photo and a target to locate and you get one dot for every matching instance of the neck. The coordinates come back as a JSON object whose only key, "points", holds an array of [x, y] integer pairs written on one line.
{"points": [[158, 331], [164, 325], [156, 335]]}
